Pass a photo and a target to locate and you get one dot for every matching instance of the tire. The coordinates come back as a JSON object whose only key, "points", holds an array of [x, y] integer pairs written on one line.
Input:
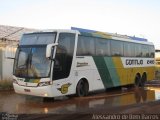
{"points": [[137, 80], [82, 88], [143, 80]]}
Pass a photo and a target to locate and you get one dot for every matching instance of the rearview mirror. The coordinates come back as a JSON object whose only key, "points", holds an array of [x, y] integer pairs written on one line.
{"points": [[49, 48]]}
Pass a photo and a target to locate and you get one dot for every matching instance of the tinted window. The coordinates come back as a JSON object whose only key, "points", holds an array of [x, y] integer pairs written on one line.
{"points": [[151, 51], [38, 39], [86, 45], [116, 48], [145, 52], [102, 47], [138, 52], [64, 56], [129, 49]]}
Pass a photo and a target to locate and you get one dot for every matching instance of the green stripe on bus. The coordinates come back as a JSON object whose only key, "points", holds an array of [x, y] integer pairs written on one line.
{"points": [[103, 71], [112, 70]]}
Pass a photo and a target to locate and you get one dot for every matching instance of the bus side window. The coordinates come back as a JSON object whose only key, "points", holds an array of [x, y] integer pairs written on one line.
{"points": [[138, 51], [151, 51], [85, 46], [102, 47], [145, 51], [116, 48], [60, 58], [129, 49]]}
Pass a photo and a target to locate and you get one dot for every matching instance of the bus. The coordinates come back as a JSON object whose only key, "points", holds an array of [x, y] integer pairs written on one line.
{"points": [[78, 61]]}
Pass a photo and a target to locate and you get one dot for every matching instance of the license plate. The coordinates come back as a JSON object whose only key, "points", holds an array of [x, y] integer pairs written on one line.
{"points": [[27, 90]]}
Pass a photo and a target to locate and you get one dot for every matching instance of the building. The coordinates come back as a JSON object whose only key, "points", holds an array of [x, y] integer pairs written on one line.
{"points": [[9, 39]]}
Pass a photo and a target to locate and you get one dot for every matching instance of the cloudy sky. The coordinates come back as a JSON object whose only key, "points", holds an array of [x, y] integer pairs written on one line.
{"points": [[129, 17]]}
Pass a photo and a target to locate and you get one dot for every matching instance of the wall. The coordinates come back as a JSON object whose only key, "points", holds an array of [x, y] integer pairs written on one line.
{"points": [[6, 65]]}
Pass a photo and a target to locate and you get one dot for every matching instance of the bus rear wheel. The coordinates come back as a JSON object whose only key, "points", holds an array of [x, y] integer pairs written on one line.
{"points": [[137, 80], [82, 88], [143, 79]]}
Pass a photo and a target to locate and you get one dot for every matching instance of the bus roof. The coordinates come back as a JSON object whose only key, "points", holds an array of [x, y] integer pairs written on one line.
{"points": [[112, 36], [94, 33], [102, 34]]}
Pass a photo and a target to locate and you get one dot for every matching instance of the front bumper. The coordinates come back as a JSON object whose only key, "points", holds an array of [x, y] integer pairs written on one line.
{"points": [[44, 91]]}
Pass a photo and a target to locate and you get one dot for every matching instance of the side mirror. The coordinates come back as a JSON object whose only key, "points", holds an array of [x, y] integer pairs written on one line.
{"points": [[49, 48]]}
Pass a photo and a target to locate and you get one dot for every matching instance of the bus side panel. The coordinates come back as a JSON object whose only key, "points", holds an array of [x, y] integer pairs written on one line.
{"points": [[113, 73], [86, 68], [107, 71], [127, 75], [124, 74]]}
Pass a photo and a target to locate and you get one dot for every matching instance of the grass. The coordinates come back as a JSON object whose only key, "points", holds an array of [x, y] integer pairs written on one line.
{"points": [[6, 85]]}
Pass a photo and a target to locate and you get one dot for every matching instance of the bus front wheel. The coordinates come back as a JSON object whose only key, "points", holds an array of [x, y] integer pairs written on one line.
{"points": [[82, 88]]}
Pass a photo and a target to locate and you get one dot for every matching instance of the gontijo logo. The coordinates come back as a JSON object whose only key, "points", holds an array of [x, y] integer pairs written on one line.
{"points": [[64, 88], [137, 62]]}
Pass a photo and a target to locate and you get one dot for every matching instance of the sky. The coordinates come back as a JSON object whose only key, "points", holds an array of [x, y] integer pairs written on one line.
{"points": [[140, 18]]}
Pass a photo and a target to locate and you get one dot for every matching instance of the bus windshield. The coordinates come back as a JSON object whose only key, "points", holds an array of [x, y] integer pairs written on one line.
{"points": [[31, 62], [30, 59]]}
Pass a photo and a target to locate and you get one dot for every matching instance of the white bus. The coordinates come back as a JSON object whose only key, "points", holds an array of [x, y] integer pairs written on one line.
{"points": [[78, 61]]}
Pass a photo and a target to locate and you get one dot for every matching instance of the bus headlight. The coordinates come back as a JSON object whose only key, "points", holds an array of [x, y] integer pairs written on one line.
{"points": [[44, 83]]}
